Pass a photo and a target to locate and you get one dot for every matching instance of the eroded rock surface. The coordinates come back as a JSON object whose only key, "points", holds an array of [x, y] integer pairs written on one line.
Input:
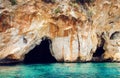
{"points": [[76, 28]]}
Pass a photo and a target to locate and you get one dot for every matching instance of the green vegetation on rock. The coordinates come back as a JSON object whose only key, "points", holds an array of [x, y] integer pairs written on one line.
{"points": [[57, 10], [13, 2]]}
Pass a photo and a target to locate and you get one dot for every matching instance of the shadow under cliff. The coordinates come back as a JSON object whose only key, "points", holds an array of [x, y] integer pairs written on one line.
{"points": [[40, 54]]}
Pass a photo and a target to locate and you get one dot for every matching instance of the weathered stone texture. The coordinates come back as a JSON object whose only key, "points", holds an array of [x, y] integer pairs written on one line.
{"points": [[76, 29]]}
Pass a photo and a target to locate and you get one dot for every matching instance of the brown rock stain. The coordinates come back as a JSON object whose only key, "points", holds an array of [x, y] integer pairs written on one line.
{"points": [[71, 47], [53, 28], [62, 55], [5, 22], [66, 25]]}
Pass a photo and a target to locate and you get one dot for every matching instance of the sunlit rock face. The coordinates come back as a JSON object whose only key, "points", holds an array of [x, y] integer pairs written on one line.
{"points": [[76, 28]]}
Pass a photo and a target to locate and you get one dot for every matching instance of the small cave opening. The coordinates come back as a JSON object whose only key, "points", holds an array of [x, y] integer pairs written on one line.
{"points": [[99, 52], [41, 53], [97, 56]]}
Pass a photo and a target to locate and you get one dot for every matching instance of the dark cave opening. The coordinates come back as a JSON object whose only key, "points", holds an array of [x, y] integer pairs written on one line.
{"points": [[99, 52], [97, 56], [41, 53]]}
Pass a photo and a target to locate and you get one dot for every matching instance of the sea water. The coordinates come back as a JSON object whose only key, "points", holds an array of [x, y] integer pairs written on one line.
{"points": [[61, 70]]}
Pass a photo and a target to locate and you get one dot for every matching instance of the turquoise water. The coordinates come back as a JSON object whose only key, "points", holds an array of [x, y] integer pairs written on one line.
{"points": [[62, 70]]}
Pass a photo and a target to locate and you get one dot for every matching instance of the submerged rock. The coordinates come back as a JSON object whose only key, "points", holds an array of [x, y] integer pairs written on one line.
{"points": [[75, 28]]}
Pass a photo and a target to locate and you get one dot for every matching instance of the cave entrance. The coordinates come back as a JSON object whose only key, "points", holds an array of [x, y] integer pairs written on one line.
{"points": [[99, 52], [41, 53], [97, 56]]}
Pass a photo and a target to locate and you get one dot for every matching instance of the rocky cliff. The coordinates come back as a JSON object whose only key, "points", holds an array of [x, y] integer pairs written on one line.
{"points": [[80, 30]]}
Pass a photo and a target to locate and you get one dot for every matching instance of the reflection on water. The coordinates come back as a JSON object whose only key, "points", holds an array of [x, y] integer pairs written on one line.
{"points": [[62, 70]]}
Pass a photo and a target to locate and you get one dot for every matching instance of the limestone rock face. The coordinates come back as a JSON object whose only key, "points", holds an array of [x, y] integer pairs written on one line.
{"points": [[76, 28]]}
